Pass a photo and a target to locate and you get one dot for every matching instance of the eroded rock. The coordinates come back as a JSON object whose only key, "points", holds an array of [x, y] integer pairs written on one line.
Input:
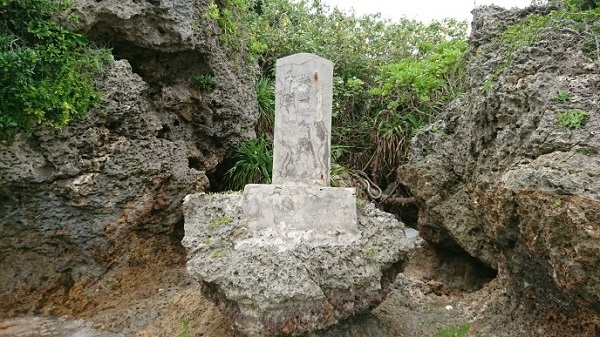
{"points": [[86, 209], [288, 289], [500, 178], [45, 327]]}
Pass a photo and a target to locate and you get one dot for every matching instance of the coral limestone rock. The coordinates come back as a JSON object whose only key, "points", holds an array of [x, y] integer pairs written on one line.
{"points": [[272, 288], [502, 177]]}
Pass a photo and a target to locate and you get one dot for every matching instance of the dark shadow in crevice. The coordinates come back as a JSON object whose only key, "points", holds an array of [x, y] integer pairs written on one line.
{"points": [[195, 163], [457, 270], [218, 177], [402, 204], [178, 232], [164, 132], [176, 236], [157, 68]]}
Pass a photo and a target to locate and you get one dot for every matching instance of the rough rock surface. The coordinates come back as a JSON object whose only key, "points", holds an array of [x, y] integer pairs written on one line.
{"points": [[276, 289], [44, 327], [87, 208], [499, 177], [168, 43]]}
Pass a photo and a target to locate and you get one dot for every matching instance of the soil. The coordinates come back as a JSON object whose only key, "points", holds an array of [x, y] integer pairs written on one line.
{"points": [[436, 295]]}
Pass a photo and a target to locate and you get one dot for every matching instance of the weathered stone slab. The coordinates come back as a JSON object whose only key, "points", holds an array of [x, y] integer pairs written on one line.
{"points": [[289, 215], [303, 103]]}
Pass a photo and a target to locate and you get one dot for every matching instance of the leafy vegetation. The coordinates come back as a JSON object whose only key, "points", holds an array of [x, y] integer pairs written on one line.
{"points": [[563, 96], [586, 151], [219, 222], [573, 119], [265, 93], [231, 17], [459, 331], [203, 82], [582, 16], [254, 164], [391, 78], [46, 71], [185, 329]]}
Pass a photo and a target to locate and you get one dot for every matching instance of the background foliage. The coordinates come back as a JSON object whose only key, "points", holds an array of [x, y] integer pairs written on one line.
{"points": [[391, 78], [46, 71]]}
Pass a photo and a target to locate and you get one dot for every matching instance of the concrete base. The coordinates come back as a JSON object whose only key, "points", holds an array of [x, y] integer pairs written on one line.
{"points": [[283, 214]]}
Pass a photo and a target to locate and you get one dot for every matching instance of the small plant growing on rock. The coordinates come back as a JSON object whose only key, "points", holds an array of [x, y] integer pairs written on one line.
{"points": [[218, 222], [573, 119], [185, 329], [203, 82], [217, 254], [371, 253], [195, 26], [487, 86], [563, 96], [459, 331]]}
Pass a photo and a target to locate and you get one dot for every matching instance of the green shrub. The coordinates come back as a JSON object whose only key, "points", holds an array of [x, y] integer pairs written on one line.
{"points": [[390, 78], [47, 73]]}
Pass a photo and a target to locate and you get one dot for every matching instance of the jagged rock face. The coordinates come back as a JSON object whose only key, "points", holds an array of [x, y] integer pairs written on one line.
{"points": [[270, 288], [80, 205], [500, 178], [168, 43]]}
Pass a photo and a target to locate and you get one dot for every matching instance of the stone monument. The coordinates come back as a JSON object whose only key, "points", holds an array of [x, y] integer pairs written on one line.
{"points": [[293, 257], [300, 205]]}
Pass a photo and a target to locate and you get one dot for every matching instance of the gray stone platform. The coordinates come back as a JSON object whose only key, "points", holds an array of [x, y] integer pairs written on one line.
{"points": [[267, 290], [288, 215]]}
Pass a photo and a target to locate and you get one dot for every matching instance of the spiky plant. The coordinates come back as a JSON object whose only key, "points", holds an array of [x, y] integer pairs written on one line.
{"points": [[254, 165], [265, 93]]}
